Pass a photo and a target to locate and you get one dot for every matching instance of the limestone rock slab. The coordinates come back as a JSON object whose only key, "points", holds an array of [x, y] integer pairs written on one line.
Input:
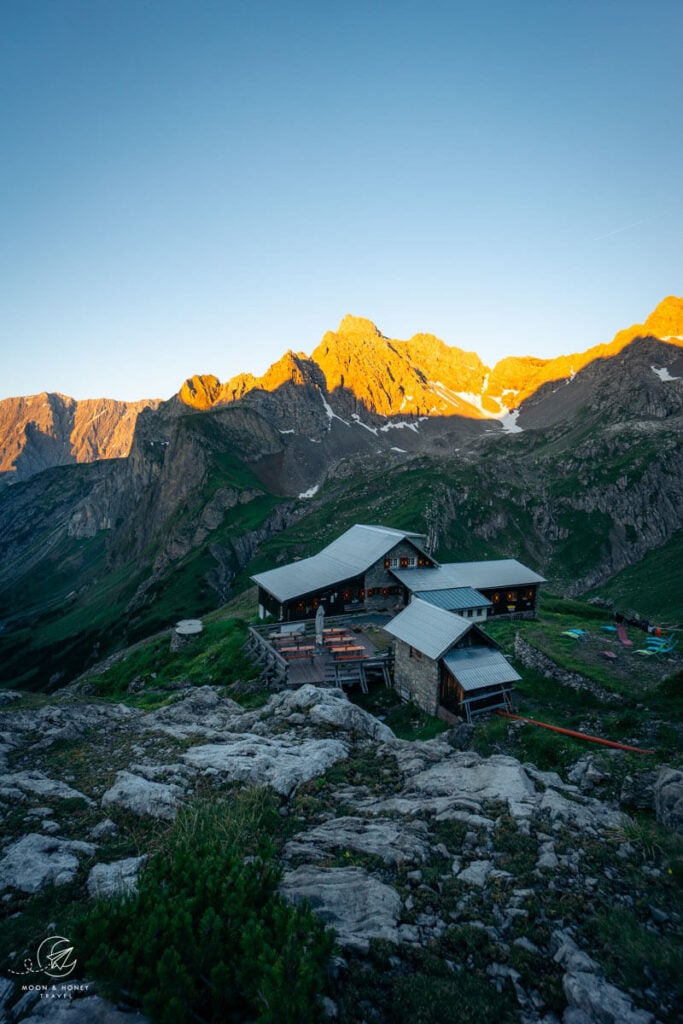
{"points": [[396, 842], [279, 762], [470, 781], [37, 860], [327, 706], [601, 1001], [669, 798], [119, 877], [586, 813], [356, 905], [202, 711], [38, 783], [143, 797]]}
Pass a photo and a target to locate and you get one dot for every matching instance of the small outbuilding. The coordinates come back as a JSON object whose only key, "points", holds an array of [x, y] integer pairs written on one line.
{"points": [[447, 664]]}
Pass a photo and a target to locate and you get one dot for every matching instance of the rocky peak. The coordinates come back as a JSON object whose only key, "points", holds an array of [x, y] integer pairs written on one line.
{"points": [[201, 391], [358, 327], [666, 321]]}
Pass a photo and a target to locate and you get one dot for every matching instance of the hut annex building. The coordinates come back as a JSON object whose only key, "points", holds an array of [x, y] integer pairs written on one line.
{"points": [[443, 659]]}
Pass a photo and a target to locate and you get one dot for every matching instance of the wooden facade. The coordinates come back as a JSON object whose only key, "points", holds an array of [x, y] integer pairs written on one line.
{"points": [[514, 602]]}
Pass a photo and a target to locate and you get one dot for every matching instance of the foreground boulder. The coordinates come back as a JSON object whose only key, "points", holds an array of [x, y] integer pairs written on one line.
{"points": [[396, 842], [143, 797], [38, 860], [118, 878], [254, 760]]}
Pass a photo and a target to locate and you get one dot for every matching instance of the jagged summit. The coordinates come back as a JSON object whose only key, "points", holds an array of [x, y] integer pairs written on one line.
{"points": [[355, 375], [666, 321], [358, 327], [368, 374]]}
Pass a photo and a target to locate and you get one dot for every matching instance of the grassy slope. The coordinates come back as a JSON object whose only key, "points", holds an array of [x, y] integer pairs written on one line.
{"points": [[652, 587], [482, 508], [74, 610]]}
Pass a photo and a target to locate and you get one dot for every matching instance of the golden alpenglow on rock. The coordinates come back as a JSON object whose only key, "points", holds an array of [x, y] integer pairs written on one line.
{"points": [[422, 376]]}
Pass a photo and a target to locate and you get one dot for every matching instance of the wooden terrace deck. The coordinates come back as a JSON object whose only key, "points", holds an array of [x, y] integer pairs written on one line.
{"points": [[346, 657]]}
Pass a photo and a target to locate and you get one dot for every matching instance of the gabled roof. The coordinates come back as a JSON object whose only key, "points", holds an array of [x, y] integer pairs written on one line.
{"points": [[503, 572], [429, 629], [477, 667], [347, 556], [454, 599]]}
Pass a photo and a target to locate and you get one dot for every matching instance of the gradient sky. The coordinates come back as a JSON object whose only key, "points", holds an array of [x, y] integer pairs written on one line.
{"points": [[190, 186]]}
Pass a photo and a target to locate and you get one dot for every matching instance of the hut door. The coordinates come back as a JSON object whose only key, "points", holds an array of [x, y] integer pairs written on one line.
{"points": [[450, 693]]}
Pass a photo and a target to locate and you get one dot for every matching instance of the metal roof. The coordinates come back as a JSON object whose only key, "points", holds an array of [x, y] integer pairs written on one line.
{"points": [[429, 629], [454, 599], [478, 667], [347, 556], [504, 572]]}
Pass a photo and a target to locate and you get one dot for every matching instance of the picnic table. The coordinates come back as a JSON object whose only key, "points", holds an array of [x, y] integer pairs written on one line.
{"points": [[333, 641], [289, 640], [299, 651], [347, 651]]}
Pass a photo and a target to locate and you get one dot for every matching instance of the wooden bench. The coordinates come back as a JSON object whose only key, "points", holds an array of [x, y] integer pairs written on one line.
{"points": [[292, 653]]}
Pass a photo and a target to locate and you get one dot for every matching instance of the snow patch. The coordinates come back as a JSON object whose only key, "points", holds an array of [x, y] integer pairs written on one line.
{"points": [[394, 449], [509, 422], [356, 418], [663, 373], [311, 492], [331, 414], [286, 431], [400, 424]]}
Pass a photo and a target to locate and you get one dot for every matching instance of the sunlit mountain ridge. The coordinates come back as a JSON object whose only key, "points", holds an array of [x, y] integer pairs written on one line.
{"points": [[423, 376], [355, 374]]}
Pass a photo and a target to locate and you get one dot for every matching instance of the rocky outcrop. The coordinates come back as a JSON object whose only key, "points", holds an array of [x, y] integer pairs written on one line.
{"points": [[143, 796], [406, 842], [261, 761], [35, 861], [358, 906]]}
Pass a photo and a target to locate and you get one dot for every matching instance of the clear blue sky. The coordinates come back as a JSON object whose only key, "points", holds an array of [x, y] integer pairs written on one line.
{"points": [[190, 186]]}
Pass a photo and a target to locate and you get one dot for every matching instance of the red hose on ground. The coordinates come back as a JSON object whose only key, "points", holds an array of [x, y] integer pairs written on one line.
{"points": [[576, 735]]}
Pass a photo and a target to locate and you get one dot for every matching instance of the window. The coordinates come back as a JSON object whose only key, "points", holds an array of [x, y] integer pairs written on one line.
{"points": [[408, 561]]}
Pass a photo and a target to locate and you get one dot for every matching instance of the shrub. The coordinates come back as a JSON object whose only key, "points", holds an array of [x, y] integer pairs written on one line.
{"points": [[207, 937]]}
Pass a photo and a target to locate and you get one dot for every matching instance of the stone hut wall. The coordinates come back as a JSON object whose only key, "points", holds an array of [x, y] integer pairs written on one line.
{"points": [[379, 578], [416, 678]]}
